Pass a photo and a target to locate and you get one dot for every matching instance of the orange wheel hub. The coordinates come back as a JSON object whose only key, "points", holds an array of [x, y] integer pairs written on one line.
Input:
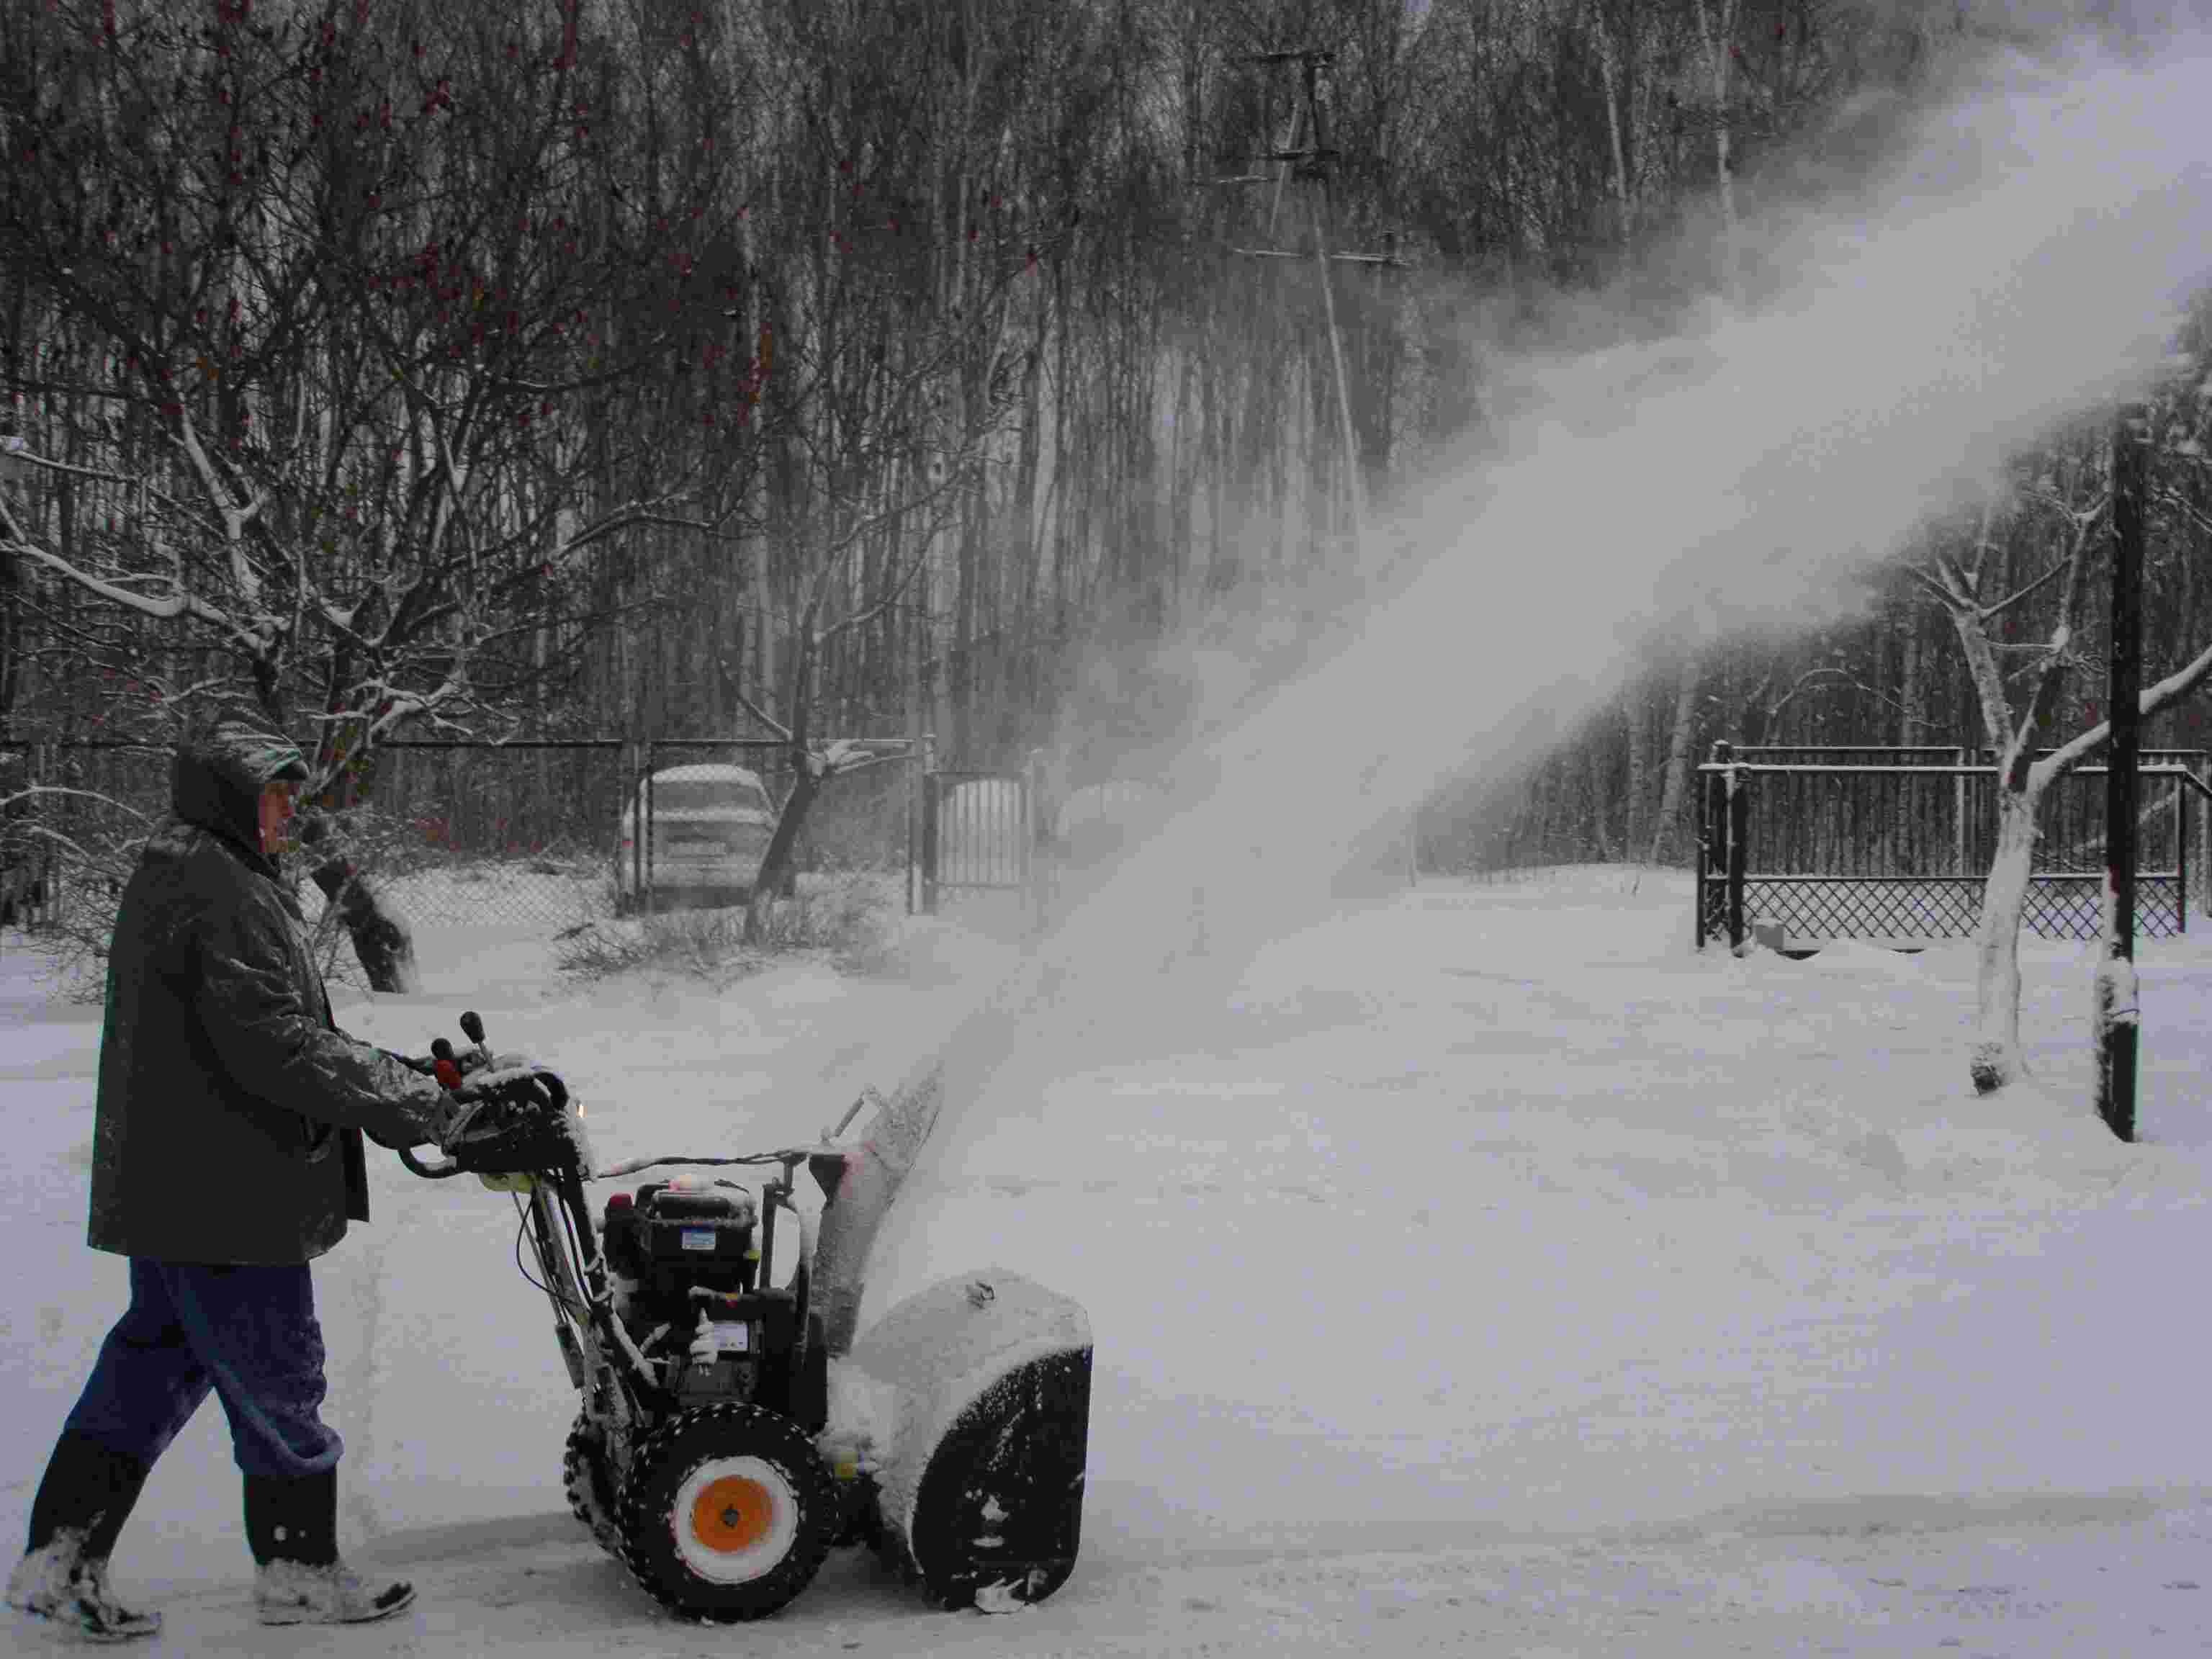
{"points": [[733, 1514]]}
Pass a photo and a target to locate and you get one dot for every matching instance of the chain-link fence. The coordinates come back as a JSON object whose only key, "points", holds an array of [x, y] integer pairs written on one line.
{"points": [[1897, 844], [533, 837], [559, 834]]}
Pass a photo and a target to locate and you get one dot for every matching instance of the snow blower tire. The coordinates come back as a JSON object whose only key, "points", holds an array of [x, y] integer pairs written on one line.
{"points": [[591, 1487], [727, 1513]]}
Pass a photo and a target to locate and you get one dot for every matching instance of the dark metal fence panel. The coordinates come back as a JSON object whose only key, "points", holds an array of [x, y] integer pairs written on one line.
{"points": [[1847, 844]]}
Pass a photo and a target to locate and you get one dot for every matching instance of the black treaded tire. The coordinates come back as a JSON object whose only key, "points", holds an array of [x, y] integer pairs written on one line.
{"points": [[727, 1513], [591, 1487]]}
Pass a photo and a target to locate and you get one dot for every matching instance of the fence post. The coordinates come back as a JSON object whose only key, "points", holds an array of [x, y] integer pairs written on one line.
{"points": [[1738, 797], [649, 815], [53, 901], [2204, 852], [928, 865], [1033, 867], [630, 776], [1959, 818], [1703, 858], [2181, 857]]}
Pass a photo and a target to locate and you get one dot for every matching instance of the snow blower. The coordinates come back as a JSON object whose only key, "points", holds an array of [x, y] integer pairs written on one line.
{"points": [[733, 1428]]}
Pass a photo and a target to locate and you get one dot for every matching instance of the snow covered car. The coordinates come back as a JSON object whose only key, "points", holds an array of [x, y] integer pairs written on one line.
{"points": [[705, 827]]}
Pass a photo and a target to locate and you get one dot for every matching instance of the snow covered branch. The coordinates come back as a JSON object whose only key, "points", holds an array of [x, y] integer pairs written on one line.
{"points": [[33, 791], [776, 726], [166, 608], [2156, 699]]}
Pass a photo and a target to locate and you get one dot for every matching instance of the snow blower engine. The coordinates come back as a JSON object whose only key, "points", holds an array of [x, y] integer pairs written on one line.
{"points": [[730, 1432]]}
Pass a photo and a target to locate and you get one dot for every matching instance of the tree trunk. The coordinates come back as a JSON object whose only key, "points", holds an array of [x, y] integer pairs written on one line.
{"points": [[382, 941], [1912, 694], [1635, 709], [1598, 762], [775, 877], [1996, 941], [1677, 782]]}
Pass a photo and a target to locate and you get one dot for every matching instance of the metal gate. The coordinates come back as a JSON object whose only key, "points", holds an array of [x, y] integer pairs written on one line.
{"points": [[978, 835]]}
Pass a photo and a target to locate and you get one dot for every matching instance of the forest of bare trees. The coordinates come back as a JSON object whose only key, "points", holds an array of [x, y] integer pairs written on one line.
{"points": [[815, 368]]}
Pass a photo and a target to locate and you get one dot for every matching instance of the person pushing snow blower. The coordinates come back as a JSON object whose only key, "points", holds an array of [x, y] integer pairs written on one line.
{"points": [[227, 1155]]}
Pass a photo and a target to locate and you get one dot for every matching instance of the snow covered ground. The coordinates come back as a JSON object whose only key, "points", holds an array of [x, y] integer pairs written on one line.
{"points": [[1477, 1270]]}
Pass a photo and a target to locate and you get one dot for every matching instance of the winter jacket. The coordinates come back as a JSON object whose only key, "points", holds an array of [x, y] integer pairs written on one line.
{"points": [[228, 1126]]}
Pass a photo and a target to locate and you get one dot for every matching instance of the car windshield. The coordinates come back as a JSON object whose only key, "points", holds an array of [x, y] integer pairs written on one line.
{"points": [[694, 795]]}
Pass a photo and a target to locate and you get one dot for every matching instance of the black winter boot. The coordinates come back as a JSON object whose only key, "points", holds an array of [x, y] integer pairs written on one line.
{"points": [[291, 1526], [87, 1495]]}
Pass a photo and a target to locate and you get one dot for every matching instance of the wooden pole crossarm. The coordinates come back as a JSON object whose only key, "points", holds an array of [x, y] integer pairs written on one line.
{"points": [[1390, 259]]}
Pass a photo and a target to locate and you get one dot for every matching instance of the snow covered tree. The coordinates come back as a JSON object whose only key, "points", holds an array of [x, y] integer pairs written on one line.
{"points": [[342, 320]]}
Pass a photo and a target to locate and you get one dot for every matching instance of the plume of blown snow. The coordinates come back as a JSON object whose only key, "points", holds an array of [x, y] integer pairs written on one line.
{"points": [[2019, 257]]}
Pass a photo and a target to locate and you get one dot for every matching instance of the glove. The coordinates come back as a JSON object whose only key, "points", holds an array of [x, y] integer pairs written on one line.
{"points": [[509, 1120]]}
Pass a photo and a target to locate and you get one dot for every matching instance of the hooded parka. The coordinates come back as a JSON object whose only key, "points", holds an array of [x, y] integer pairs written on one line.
{"points": [[231, 1109]]}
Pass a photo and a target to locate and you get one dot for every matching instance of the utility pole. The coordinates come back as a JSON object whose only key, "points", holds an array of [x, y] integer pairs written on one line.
{"points": [[2117, 1017], [1305, 153]]}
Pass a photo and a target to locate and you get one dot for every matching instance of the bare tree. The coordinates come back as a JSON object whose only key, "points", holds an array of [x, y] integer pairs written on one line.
{"points": [[344, 292], [2021, 683]]}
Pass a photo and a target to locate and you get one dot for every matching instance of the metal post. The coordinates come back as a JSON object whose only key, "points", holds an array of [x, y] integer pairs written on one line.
{"points": [[2204, 854], [1035, 868], [1959, 818], [645, 890], [1704, 856], [928, 864], [1736, 819], [633, 807], [2118, 1030], [2180, 857], [1739, 811], [913, 826]]}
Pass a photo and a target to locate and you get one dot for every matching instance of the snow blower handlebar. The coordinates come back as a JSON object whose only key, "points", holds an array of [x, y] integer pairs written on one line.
{"points": [[513, 1117]]}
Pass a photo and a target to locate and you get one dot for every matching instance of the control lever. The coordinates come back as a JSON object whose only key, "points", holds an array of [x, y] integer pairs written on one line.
{"points": [[472, 1027], [446, 1069]]}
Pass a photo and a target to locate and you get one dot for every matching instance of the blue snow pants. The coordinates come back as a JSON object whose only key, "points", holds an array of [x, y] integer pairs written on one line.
{"points": [[248, 1334]]}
